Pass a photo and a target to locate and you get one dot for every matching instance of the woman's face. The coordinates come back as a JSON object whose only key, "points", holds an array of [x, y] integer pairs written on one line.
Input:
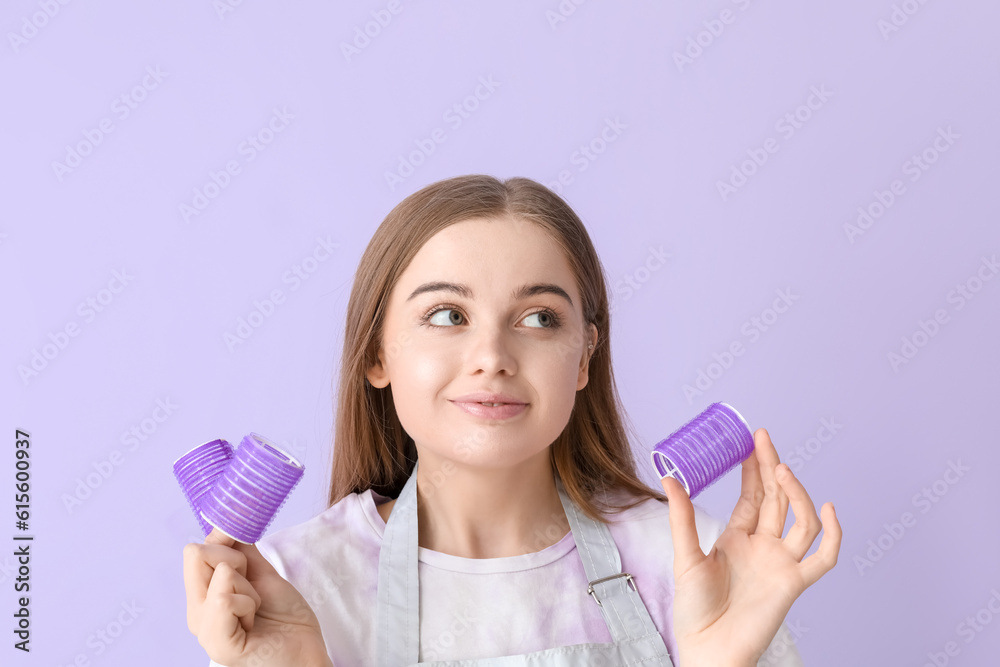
{"points": [[493, 330]]}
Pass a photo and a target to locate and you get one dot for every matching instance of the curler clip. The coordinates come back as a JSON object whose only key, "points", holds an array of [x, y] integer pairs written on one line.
{"points": [[240, 492], [705, 449]]}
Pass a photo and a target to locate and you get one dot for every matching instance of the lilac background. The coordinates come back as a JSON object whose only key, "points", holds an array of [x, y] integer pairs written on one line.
{"points": [[161, 337]]}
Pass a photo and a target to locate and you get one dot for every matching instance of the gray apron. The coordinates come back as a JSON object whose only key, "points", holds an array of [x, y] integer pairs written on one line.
{"points": [[636, 640]]}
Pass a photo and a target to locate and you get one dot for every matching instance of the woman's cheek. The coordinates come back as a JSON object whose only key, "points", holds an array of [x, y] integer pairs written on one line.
{"points": [[429, 365]]}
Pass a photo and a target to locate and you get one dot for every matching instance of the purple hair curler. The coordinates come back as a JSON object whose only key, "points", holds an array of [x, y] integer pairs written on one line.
{"points": [[198, 469], [702, 451], [248, 494]]}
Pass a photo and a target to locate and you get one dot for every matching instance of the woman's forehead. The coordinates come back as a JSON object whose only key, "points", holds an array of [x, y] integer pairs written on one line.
{"points": [[489, 257]]}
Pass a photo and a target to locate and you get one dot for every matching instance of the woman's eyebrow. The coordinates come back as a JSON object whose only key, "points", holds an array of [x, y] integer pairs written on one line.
{"points": [[522, 292]]}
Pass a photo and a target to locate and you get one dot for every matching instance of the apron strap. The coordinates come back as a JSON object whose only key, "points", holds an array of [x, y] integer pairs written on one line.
{"points": [[613, 590], [398, 632]]}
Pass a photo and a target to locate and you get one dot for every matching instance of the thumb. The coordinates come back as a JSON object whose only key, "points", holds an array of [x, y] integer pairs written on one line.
{"points": [[687, 550], [256, 563], [219, 537]]}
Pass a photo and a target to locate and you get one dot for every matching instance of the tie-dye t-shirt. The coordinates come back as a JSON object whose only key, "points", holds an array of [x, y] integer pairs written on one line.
{"points": [[488, 607]]}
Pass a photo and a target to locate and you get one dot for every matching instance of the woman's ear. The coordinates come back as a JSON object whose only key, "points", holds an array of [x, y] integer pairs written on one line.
{"points": [[582, 378], [377, 375]]}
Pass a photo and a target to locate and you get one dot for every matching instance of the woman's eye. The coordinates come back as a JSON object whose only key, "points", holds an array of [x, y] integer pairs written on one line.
{"points": [[547, 319], [445, 317], [437, 319]]}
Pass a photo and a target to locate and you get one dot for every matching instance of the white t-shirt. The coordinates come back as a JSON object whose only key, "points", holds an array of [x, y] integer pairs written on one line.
{"points": [[476, 608]]}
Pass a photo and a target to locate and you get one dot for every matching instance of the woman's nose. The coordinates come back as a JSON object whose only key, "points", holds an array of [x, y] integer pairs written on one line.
{"points": [[492, 351]]}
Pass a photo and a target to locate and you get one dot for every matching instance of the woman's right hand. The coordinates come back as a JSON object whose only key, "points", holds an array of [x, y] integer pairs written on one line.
{"points": [[729, 605], [243, 612]]}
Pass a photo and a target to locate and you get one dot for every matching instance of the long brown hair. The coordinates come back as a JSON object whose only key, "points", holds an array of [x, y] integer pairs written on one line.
{"points": [[590, 457]]}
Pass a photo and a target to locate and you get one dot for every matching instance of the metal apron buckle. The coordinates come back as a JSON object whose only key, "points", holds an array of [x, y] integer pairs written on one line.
{"points": [[590, 587]]}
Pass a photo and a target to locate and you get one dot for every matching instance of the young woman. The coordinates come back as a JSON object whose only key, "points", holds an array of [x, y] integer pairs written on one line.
{"points": [[484, 500]]}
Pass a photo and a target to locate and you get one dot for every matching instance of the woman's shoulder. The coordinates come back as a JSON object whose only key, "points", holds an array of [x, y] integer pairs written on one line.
{"points": [[650, 518], [340, 530]]}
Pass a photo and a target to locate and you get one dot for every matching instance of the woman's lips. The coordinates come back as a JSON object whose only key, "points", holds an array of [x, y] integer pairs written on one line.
{"points": [[504, 411]]}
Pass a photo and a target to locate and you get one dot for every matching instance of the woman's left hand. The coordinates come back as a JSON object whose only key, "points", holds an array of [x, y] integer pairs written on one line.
{"points": [[729, 605]]}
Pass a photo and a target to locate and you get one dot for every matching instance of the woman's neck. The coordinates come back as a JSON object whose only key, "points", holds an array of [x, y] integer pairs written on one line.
{"points": [[487, 513]]}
